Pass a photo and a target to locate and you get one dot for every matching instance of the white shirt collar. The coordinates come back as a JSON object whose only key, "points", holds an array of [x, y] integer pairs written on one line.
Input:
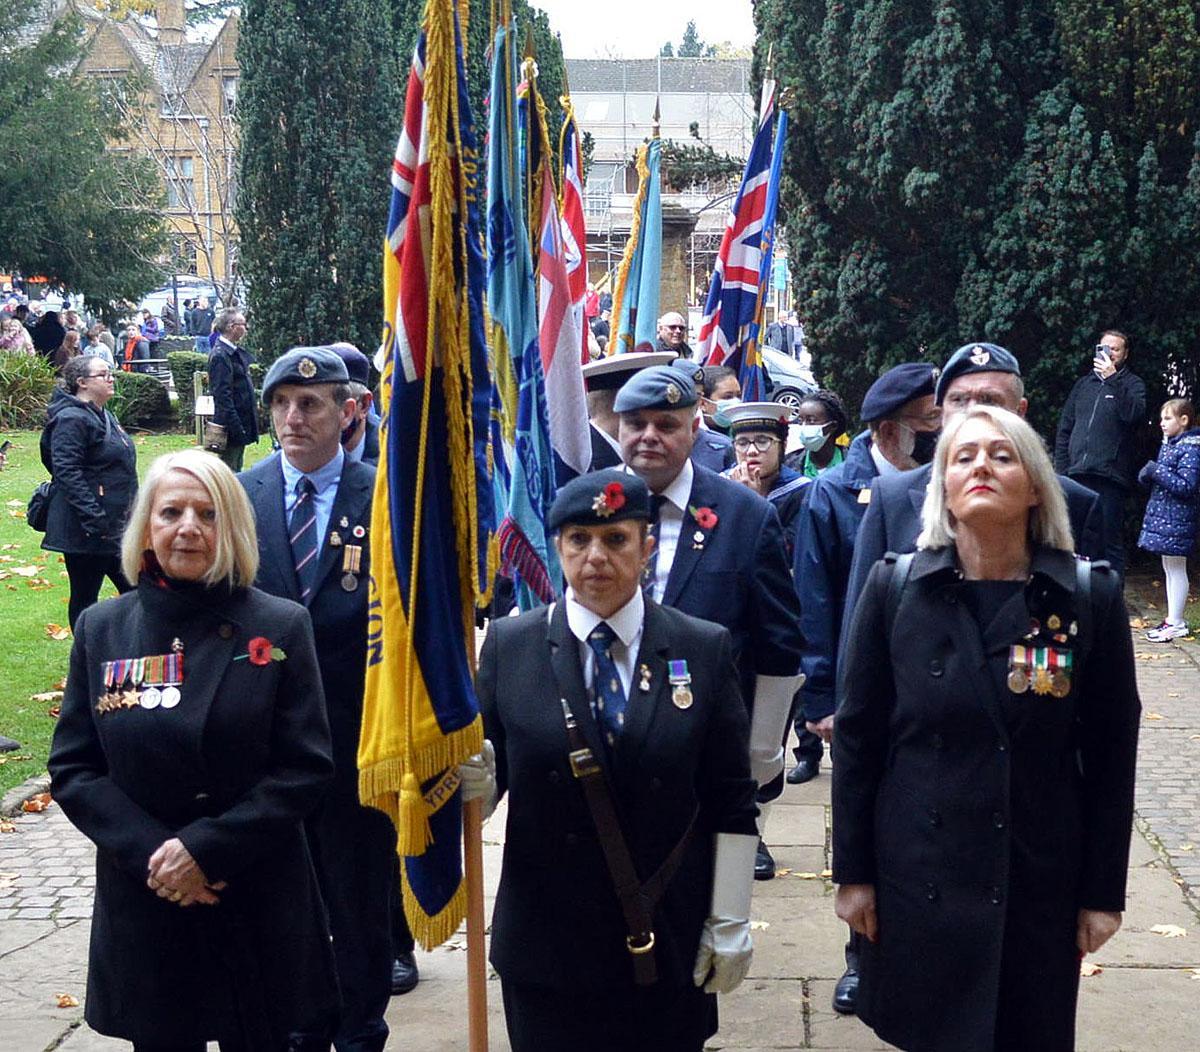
{"points": [[626, 622], [679, 492], [884, 466], [228, 343]]}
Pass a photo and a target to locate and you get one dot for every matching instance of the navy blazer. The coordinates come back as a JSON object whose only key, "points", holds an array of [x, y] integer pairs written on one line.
{"points": [[603, 454], [713, 450], [339, 616], [370, 455], [736, 573], [826, 529], [893, 523]]}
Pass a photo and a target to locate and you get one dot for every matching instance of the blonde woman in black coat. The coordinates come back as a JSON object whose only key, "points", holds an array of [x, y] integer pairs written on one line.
{"points": [[984, 754], [192, 742]]}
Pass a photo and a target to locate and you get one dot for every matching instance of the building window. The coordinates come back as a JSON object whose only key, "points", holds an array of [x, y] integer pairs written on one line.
{"points": [[229, 89], [181, 182]]}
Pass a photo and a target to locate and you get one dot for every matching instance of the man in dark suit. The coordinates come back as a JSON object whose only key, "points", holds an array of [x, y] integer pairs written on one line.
{"points": [[976, 374], [313, 508], [602, 379], [232, 389], [721, 556]]}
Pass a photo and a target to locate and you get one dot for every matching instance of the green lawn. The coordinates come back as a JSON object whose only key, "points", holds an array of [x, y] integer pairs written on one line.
{"points": [[30, 661]]}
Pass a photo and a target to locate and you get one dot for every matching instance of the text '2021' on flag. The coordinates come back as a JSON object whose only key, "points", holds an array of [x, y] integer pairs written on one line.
{"points": [[733, 311], [432, 508]]}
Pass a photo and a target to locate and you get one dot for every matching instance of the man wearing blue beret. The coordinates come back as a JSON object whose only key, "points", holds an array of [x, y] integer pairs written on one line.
{"points": [[720, 555], [313, 508], [976, 374], [903, 427]]}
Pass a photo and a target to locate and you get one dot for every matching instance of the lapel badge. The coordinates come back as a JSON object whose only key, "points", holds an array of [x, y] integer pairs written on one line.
{"points": [[1054, 622], [335, 539], [344, 522], [359, 532], [644, 673], [681, 684]]}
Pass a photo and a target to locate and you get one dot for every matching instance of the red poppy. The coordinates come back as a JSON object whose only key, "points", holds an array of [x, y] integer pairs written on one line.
{"points": [[259, 650], [706, 518], [614, 496]]}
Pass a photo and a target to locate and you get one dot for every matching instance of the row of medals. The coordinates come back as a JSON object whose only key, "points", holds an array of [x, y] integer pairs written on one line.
{"points": [[147, 690], [1043, 681], [1025, 670]]}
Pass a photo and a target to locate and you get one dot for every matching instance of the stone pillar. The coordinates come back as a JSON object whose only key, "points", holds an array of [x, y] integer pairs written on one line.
{"points": [[678, 223]]}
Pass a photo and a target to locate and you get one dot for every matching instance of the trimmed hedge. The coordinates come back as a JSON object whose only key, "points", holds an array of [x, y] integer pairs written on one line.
{"points": [[139, 400], [26, 381], [184, 365]]}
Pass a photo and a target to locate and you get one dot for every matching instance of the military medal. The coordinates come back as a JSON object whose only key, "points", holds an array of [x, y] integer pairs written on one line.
{"points": [[1041, 673], [172, 676], [1018, 668], [681, 684], [1060, 678], [644, 673], [151, 698], [170, 697], [351, 564]]}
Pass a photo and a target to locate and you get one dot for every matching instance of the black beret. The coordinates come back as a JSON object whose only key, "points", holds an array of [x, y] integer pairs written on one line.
{"points": [[976, 358], [599, 498], [659, 387], [899, 385], [610, 374], [358, 365], [305, 365]]}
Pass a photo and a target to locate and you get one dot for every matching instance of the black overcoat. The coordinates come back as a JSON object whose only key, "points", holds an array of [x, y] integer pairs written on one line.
{"points": [[235, 405], [231, 771], [985, 819], [557, 922], [93, 466]]}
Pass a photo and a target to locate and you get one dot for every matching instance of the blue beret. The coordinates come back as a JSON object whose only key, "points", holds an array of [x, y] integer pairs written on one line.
{"points": [[358, 365], [305, 365], [899, 385], [976, 358], [690, 369], [658, 387], [599, 498]]}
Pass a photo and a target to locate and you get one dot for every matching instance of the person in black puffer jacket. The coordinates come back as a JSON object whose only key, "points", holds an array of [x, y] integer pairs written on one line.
{"points": [[1173, 514], [93, 467]]}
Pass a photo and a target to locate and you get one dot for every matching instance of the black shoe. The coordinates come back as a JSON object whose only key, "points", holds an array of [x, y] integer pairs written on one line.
{"points": [[404, 973], [8, 745], [845, 994], [804, 771], [764, 864]]}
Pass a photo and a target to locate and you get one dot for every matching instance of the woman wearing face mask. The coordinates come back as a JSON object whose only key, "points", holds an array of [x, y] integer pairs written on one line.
{"points": [[719, 391], [759, 431], [822, 418]]}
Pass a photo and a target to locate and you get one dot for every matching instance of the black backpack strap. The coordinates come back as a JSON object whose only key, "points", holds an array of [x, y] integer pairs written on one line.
{"points": [[901, 569], [1083, 612]]}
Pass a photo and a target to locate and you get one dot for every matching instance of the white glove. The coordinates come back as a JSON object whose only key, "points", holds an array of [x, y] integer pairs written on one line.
{"points": [[478, 778], [726, 949], [772, 706]]}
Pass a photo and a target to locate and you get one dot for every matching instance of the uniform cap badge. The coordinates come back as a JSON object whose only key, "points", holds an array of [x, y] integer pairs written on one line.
{"points": [[672, 394], [307, 368], [980, 357]]}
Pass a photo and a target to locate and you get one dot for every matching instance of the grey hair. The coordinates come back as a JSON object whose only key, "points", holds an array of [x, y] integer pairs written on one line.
{"points": [[224, 319], [1049, 524]]}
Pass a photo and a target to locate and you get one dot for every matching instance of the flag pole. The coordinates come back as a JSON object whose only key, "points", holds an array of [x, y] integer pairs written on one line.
{"points": [[477, 1014]]}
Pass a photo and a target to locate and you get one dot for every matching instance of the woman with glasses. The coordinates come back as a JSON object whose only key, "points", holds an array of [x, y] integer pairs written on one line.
{"points": [[93, 470], [759, 431]]}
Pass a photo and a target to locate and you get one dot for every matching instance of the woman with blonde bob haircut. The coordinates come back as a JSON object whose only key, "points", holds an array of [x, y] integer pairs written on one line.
{"points": [[235, 551], [192, 743], [984, 747]]}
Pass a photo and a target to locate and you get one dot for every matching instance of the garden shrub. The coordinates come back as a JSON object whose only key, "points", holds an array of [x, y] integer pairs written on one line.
{"points": [[26, 381]]}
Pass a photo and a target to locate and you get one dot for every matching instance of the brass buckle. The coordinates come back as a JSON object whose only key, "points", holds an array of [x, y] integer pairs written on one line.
{"points": [[636, 950], [583, 763]]}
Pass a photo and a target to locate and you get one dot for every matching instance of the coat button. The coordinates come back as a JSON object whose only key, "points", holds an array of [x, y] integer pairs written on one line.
{"points": [[1001, 747], [935, 818], [938, 741], [552, 778], [656, 784], [935, 667], [572, 838], [997, 896], [931, 892], [998, 820], [225, 631]]}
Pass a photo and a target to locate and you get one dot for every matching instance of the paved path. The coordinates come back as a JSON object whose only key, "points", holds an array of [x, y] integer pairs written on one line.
{"points": [[1144, 1000]]}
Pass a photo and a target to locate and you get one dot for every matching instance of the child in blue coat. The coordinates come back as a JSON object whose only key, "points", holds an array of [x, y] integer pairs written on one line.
{"points": [[1172, 516]]}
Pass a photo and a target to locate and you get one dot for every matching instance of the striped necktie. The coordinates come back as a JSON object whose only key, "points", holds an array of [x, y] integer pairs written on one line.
{"points": [[650, 571], [302, 529], [608, 695]]}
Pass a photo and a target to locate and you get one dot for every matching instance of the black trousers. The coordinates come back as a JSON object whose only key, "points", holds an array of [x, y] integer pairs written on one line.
{"points": [[402, 937], [1112, 499], [236, 1045], [354, 848], [86, 574]]}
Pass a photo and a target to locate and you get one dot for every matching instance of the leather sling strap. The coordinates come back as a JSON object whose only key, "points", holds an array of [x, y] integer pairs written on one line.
{"points": [[638, 900]]}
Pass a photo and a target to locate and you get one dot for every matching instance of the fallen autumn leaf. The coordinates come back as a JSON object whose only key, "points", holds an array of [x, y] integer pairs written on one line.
{"points": [[37, 803], [1169, 931], [58, 632], [1089, 968], [67, 1001]]}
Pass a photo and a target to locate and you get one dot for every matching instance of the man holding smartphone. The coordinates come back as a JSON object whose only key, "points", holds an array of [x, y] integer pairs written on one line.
{"points": [[1097, 434]]}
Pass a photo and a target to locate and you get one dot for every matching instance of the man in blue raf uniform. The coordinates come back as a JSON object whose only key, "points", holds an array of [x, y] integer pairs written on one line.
{"points": [[900, 411], [976, 374], [313, 508], [719, 555]]}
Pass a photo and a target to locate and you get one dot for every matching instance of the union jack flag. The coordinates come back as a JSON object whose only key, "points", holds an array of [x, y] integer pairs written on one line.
{"points": [[574, 231], [729, 328]]}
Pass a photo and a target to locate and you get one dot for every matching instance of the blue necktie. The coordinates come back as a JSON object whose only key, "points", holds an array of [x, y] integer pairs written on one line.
{"points": [[650, 571], [302, 530], [606, 684]]}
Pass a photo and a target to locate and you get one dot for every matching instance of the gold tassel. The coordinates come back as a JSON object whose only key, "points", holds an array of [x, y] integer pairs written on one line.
{"points": [[413, 830]]}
